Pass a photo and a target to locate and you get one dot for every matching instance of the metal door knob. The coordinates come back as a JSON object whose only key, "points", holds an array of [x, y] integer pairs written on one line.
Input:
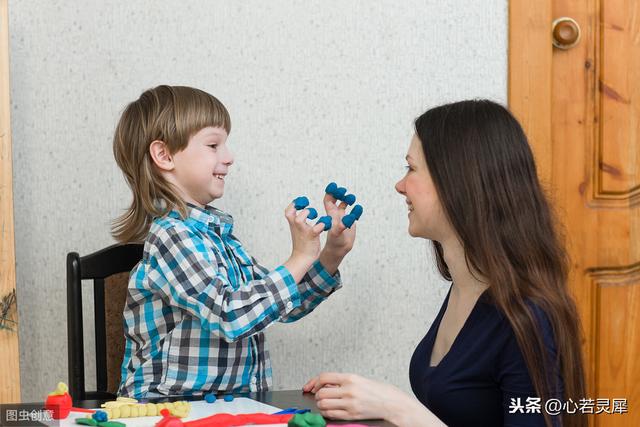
{"points": [[566, 33]]}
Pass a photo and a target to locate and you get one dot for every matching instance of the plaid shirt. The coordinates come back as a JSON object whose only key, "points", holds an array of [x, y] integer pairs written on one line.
{"points": [[197, 306]]}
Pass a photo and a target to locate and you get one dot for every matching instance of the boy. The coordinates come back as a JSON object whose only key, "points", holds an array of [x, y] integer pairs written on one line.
{"points": [[197, 303]]}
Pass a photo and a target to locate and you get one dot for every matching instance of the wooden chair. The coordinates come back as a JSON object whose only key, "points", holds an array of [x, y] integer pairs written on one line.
{"points": [[109, 271]]}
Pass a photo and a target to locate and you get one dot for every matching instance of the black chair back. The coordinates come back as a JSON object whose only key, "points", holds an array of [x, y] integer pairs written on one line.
{"points": [[97, 267]]}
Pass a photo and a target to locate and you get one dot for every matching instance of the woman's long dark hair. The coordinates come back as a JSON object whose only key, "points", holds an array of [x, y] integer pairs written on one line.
{"points": [[483, 170]]}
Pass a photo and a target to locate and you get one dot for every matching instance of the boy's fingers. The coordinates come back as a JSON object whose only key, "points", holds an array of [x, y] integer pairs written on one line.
{"points": [[290, 212], [338, 227], [318, 228], [301, 217], [329, 202], [328, 198]]}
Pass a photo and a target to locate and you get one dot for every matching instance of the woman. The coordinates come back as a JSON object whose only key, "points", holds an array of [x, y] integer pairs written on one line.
{"points": [[507, 337]]}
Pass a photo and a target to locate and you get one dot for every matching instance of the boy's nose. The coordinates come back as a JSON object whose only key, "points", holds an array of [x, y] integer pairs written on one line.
{"points": [[228, 158]]}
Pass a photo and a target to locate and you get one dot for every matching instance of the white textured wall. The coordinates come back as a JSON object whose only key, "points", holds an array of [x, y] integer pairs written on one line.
{"points": [[317, 90]]}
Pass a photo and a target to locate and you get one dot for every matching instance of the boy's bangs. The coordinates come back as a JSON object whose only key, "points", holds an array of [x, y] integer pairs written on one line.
{"points": [[198, 110]]}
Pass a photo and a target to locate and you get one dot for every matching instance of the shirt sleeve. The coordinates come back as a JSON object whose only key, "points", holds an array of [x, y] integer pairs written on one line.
{"points": [[518, 394], [316, 286], [186, 274]]}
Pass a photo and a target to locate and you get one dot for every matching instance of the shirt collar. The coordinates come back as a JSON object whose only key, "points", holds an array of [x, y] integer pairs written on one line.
{"points": [[207, 217]]}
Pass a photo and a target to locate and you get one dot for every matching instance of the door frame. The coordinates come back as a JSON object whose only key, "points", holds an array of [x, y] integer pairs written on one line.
{"points": [[10, 355]]}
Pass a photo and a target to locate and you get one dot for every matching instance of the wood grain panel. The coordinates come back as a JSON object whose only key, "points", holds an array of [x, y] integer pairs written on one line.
{"points": [[9, 354], [619, 84], [616, 316], [529, 85]]}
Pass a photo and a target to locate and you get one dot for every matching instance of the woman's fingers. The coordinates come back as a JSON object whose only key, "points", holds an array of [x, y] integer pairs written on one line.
{"points": [[330, 393], [336, 414], [330, 378], [331, 404], [309, 385]]}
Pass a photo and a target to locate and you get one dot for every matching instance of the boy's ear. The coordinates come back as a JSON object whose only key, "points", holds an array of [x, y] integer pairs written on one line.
{"points": [[160, 155]]}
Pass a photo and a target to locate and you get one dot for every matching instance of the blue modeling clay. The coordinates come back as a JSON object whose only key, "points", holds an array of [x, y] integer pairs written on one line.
{"points": [[210, 397], [228, 397], [331, 188], [326, 220], [292, 411], [100, 416], [300, 202], [356, 211], [313, 214], [349, 199], [339, 193], [348, 220]]}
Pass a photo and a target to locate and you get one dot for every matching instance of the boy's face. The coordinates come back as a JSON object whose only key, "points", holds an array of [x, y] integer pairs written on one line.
{"points": [[201, 168]]}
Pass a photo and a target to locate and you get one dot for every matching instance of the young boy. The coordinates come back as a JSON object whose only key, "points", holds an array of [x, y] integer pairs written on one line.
{"points": [[198, 303]]}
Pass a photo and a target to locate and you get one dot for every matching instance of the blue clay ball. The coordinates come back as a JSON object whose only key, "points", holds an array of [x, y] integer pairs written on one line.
{"points": [[339, 193], [100, 416], [313, 214], [331, 188], [348, 220], [300, 202], [356, 211], [349, 199]]}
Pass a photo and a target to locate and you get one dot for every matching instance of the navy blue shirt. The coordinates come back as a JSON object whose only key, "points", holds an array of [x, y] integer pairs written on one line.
{"points": [[475, 381]]}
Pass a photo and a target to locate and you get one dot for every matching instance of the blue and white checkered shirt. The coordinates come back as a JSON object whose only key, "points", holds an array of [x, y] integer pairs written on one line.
{"points": [[197, 306]]}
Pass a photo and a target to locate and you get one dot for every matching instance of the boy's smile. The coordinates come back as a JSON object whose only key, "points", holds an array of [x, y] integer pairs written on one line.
{"points": [[201, 168]]}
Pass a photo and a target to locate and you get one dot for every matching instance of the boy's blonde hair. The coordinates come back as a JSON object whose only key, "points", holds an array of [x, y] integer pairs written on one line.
{"points": [[171, 114]]}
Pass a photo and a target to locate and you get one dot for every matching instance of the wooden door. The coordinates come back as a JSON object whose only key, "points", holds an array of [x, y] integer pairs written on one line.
{"points": [[581, 109], [9, 357]]}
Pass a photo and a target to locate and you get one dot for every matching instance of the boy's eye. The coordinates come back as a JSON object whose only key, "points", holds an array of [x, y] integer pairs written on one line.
{"points": [[214, 146], [408, 168]]}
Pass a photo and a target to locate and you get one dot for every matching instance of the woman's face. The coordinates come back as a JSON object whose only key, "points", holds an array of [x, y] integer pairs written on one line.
{"points": [[426, 216]]}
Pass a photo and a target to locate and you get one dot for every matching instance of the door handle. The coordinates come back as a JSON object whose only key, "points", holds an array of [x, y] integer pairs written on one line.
{"points": [[566, 33]]}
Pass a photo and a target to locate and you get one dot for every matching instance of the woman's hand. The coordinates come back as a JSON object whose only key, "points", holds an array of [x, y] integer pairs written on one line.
{"points": [[352, 397]]}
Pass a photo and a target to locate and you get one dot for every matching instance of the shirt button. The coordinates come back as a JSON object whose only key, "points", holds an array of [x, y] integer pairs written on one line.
{"points": [[289, 305], [254, 380]]}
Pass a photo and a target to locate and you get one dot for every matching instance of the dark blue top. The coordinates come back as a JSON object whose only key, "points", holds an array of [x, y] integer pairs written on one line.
{"points": [[475, 381]]}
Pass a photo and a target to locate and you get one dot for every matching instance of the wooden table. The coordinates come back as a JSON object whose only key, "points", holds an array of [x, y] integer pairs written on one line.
{"points": [[280, 399]]}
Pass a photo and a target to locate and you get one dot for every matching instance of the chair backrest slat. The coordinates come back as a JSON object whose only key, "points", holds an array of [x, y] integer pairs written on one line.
{"points": [[100, 334], [75, 337]]}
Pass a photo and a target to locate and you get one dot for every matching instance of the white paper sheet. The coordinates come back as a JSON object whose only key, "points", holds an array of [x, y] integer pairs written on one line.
{"points": [[199, 409]]}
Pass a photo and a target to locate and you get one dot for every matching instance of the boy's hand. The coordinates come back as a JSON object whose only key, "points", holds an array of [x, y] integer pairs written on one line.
{"points": [[305, 238], [340, 239]]}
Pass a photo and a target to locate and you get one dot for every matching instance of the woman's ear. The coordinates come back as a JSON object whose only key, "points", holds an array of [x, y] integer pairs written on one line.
{"points": [[161, 156]]}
